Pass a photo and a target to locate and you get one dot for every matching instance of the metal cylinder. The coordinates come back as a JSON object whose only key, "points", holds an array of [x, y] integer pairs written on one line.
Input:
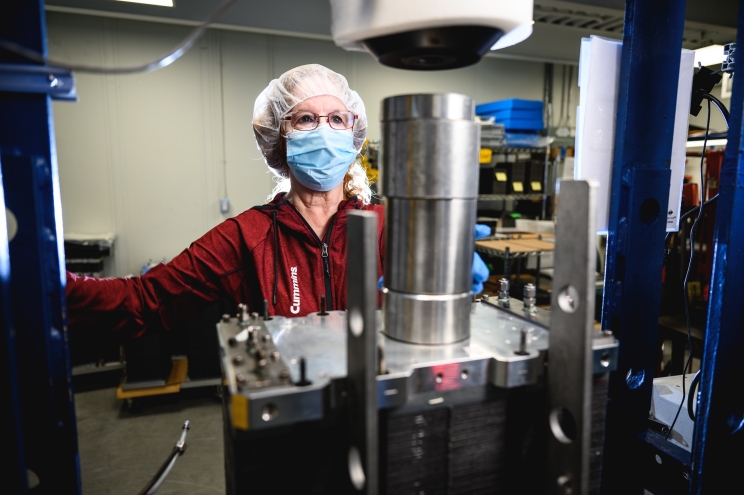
{"points": [[429, 178]]}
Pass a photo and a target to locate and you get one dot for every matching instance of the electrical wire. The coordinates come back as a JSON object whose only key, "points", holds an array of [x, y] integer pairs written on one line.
{"points": [[165, 469], [721, 107], [168, 59], [684, 216], [687, 277], [691, 397]]}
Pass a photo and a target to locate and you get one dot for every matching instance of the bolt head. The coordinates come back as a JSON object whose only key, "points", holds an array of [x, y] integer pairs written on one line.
{"points": [[529, 290]]}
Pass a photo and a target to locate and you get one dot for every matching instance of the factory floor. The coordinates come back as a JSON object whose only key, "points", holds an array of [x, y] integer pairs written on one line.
{"points": [[121, 449]]}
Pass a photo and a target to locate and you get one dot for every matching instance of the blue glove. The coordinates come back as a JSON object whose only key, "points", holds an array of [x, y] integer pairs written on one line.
{"points": [[480, 270]]}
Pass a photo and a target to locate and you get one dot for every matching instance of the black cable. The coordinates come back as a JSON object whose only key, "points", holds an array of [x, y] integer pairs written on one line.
{"points": [[692, 396], [178, 449], [168, 59], [692, 211], [721, 107], [687, 276]]}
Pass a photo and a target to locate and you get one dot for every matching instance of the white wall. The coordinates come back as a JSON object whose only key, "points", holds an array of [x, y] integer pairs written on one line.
{"points": [[141, 155]]}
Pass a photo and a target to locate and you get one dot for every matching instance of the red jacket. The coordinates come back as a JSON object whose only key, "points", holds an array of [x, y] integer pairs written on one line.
{"points": [[268, 252]]}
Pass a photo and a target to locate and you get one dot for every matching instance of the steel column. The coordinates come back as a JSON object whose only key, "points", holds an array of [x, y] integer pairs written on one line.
{"points": [[37, 306], [652, 41], [719, 425], [361, 351]]}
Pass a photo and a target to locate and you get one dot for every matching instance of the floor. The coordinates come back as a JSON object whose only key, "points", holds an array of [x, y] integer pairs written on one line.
{"points": [[121, 449]]}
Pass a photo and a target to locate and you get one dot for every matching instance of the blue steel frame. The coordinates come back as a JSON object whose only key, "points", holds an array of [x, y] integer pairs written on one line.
{"points": [[38, 389], [652, 41], [719, 436]]}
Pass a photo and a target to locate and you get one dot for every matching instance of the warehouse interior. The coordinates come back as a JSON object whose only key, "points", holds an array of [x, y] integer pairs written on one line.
{"points": [[575, 132]]}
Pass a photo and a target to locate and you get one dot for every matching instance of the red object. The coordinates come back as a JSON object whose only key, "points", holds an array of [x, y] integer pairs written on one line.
{"points": [[690, 195], [235, 260]]}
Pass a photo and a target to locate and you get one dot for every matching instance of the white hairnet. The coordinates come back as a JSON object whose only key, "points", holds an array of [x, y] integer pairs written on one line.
{"points": [[293, 87]]}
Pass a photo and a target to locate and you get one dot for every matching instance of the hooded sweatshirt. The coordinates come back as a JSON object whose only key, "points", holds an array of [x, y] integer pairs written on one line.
{"points": [[268, 252]]}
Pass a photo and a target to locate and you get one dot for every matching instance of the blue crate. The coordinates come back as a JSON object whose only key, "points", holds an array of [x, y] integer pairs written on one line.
{"points": [[510, 104], [502, 115]]}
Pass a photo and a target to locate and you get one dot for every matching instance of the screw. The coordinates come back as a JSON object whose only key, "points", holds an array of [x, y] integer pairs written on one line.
{"points": [[266, 337], [226, 317], [266, 316], [528, 298], [524, 337], [243, 314], [254, 316], [240, 378], [303, 374], [238, 360], [484, 297], [275, 356], [323, 306], [503, 289]]}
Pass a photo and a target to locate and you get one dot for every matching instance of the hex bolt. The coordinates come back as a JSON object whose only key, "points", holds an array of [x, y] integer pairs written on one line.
{"points": [[254, 316], [240, 378], [504, 292], [528, 298], [484, 297], [226, 317], [275, 356], [266, 338], [503, 289], [243, 314], [262, 363], [238, 360], [284, 374]]}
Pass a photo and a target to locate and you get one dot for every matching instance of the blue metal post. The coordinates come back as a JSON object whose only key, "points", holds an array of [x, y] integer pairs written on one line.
{"points": [[652, 43], [719, 425], [31, 191]]}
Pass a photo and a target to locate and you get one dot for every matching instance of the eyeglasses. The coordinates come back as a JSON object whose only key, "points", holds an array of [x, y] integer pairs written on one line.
{"points": [[308, 121]]}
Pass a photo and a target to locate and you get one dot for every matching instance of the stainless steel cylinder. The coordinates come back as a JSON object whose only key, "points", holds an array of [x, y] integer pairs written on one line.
{"points": [[429, 178]]}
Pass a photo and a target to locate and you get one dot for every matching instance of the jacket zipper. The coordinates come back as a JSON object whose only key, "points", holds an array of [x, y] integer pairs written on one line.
{"points": [[327, 267], [324, 256]]}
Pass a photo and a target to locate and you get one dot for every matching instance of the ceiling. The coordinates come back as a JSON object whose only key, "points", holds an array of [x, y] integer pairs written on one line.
{"points": [[559, 25]]}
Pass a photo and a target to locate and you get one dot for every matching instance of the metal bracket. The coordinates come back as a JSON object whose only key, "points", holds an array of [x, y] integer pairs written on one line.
{"points": [[361, 350], [572, 335], [39, 79]]}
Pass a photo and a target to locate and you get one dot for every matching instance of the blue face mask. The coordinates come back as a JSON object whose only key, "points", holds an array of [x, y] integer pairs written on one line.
{"points": [[320, 158]]}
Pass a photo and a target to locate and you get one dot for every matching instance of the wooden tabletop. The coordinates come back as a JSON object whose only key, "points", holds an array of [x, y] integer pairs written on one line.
{"points": [[516, 246]]}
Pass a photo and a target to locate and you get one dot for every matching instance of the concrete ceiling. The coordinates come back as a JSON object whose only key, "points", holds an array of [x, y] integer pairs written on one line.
{"points": [[559, 26]]}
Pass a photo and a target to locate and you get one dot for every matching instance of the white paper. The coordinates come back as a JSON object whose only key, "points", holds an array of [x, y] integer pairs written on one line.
{"points": [[599, 72]]}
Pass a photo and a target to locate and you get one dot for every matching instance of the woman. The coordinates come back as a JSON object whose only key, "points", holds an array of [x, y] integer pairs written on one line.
{"points": [[310, 127]]}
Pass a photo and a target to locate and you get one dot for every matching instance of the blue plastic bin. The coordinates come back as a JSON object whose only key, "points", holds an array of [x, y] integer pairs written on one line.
{"points": [[510, 104]]}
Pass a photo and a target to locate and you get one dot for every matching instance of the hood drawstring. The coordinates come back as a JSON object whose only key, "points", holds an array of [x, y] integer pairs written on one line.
{"points": [[276, 256]]}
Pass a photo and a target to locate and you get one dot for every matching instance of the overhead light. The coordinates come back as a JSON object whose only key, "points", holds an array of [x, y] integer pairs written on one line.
{"points": [[711, 142], [709, 55], [159, 3]]}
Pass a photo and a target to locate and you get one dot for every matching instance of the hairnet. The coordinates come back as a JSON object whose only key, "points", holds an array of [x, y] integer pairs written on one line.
{"points": [[293, 87]]}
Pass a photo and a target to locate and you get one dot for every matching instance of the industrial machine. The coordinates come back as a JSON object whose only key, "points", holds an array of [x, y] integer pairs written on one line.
{"points": [[437, 392]]}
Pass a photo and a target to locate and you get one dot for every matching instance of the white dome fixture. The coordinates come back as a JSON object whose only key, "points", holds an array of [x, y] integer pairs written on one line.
{"points": [[429, 34]]}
